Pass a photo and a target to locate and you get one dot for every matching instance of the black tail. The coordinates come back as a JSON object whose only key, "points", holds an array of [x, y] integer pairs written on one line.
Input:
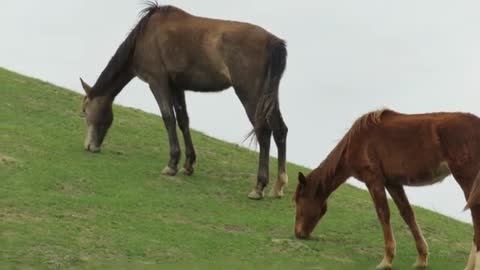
{"points": [[268, 101]]}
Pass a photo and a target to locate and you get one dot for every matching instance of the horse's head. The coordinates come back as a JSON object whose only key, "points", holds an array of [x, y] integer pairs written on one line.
{"points": [[311, 205], [99, 117]]}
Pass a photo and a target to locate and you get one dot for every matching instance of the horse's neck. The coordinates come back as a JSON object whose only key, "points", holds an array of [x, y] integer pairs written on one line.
{"points": [[114, 85], [333, 181], [340, 177]]}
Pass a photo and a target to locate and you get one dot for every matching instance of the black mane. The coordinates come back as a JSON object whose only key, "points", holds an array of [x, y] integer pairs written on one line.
{"points": [[122, 59]]}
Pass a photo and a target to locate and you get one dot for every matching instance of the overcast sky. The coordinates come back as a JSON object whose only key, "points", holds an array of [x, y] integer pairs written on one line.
{"points": [[345, 58]]}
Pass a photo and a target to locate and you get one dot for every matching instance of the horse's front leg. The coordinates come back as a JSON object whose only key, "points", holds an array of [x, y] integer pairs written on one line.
{"points": [[163, 95], [400, 198], [377, 191], [180, 107]]}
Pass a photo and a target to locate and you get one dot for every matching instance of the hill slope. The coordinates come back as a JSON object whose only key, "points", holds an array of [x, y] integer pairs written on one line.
{"points": [[61, 207]]}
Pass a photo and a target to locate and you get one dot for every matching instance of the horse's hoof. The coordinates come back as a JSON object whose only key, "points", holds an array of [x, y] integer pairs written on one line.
{"points": [[277, 194], [384, 266], [255, 195], [277, 189], [420, 264], [169, 171], [188, 171]]}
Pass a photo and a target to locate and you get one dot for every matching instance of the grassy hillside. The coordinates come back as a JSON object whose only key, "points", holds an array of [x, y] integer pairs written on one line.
{"points": [[61, 207]]}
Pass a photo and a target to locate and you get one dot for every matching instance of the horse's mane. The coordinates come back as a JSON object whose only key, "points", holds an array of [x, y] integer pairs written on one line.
{"points": [[330, 164], [122, 59]]}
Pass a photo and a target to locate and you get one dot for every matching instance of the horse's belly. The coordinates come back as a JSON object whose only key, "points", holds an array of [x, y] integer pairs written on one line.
{"points": [[422, 178], [201, 81]]}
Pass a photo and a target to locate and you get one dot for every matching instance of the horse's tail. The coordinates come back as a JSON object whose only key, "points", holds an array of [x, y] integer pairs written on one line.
{"points": [[275, 66], [474, 196]]}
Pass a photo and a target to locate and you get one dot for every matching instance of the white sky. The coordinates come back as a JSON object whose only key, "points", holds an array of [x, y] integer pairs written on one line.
{"points": [[345, 58]]}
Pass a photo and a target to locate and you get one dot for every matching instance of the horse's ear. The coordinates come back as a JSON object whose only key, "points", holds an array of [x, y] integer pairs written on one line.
{"points": [[86, 87], [301, 179]]}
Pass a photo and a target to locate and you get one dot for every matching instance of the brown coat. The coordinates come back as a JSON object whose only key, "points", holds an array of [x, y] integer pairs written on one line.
{"points": [[174, 51], [388, 150]]}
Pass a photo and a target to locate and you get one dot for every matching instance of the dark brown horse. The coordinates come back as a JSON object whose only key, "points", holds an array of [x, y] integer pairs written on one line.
{"points": [[386, 149], [174, 51]]}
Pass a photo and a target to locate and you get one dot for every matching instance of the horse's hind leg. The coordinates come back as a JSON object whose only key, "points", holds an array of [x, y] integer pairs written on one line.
{"points": [[473, 262], [465, 178], [406, 211], [474, 258], [249, 101], [280, 130], [180, 107], [471, 258], [264, 135]]}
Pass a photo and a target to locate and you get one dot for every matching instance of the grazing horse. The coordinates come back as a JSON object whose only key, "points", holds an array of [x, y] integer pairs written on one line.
{"points": [[386, 149], [174, 51]]}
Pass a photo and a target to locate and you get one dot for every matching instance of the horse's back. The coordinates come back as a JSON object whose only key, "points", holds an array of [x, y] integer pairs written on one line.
{"points": [[201, 53], [429, 130], [414, 149]]}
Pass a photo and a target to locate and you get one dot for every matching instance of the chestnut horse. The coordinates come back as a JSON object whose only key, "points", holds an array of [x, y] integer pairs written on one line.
{"points": [[386, 149], [174, 51]]}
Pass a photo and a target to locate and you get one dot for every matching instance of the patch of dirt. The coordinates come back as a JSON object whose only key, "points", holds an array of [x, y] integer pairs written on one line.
{"points": [[55, 256], [288, 245], [174, 219], [79, 186], [371, 251], [118, 152], [231, 228], [181, 220], [339, 259], [13, 215], [8, 161], [166, 254]]}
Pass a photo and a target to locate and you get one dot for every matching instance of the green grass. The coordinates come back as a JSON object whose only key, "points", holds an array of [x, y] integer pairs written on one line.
{"points": [[61, 207]]}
